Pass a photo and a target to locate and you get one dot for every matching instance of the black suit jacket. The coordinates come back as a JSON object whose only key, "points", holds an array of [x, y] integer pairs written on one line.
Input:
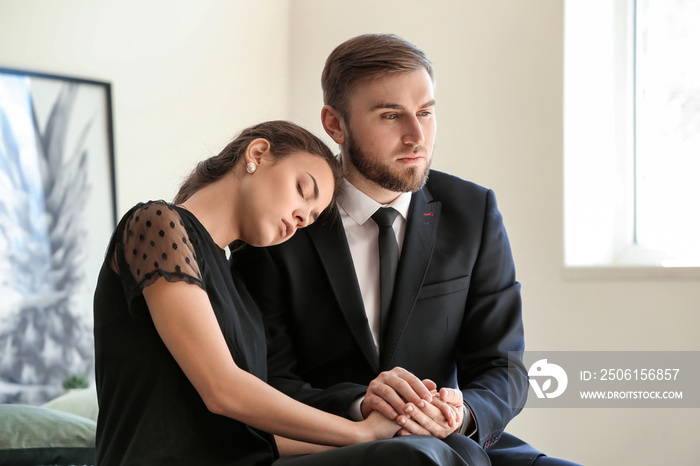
{"points": [[455, 317]]}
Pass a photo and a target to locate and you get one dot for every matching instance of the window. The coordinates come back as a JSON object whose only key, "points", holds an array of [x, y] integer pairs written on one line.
{"points": [[667, 126], [632, 133]]}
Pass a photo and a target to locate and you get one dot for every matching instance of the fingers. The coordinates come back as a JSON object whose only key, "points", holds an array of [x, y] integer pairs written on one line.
{"points": [[411, 427], [451, 396], [449, 412], [438, 419], [408, 386], [390, 391], [419, 422], [429, 384], [375, 402], [454, 399]]}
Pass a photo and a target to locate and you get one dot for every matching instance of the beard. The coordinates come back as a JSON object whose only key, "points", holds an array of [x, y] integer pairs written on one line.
{"points": [[408, 179]]}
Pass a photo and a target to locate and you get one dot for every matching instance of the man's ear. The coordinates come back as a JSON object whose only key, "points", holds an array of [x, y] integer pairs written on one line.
{"points": [[256, 150], [333, 123]]}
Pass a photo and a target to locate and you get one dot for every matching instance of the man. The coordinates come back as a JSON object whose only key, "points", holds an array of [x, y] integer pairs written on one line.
{"points": [[341, 337]]}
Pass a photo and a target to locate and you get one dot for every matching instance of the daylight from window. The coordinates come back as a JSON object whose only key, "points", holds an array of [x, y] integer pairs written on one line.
{"points": [[632, 135], [667, 127]]}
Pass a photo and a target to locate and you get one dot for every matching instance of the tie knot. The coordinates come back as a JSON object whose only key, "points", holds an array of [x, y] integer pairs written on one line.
{"points": [[384, 216]]}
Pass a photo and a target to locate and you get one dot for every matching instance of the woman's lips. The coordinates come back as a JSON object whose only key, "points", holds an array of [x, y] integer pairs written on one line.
{"points": [[288, 229]]}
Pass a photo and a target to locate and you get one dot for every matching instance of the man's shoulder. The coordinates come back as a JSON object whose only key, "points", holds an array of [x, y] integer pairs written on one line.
{"points": [[444, 186]]}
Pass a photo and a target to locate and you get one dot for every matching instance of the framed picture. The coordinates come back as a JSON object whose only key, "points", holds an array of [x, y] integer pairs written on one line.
{"points": [[57, 212]]}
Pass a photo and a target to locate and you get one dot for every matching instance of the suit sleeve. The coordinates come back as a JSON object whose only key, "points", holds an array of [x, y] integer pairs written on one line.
{"points": [[266, 280], [492, 334]]}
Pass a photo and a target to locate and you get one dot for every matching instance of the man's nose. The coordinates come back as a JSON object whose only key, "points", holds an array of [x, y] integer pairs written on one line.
{"points": [[413, 132]]}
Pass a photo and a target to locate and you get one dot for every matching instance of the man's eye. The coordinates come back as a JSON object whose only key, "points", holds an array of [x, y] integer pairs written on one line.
{"points": [[391, 116], [425, 113]]}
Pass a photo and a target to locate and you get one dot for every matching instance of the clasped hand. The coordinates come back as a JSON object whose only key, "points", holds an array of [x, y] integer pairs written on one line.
{"points": [[416, 405]]}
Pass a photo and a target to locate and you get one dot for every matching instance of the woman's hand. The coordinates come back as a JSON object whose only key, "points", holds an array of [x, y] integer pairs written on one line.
{"points": [[440, 418], [378, 427]]}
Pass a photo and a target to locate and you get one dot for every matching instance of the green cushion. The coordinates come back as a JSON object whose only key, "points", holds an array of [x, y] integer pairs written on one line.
{"points": [[32, 435], [80, 401]]}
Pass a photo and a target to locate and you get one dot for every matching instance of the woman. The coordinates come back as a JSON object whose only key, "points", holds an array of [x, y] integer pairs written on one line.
{"points": [[180, 361]]}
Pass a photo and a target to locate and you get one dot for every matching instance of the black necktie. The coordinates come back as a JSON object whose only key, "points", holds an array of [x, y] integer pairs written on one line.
{"points": [[388, 262]]}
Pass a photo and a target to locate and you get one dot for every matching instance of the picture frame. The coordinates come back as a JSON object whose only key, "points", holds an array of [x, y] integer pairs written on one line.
{"points": [[57, 213]]}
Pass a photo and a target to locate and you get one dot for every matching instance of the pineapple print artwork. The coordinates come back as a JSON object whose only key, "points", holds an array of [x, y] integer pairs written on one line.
{"points": [[45, 295]]}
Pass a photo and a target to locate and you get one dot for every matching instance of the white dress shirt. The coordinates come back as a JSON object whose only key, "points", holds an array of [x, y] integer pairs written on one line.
{"points": [[356, 210]]}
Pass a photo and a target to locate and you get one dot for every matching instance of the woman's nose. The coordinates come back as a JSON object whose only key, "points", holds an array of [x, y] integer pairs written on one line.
{"points": [[301, 218]]}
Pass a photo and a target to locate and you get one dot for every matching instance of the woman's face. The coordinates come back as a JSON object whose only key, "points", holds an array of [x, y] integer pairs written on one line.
{"points": [[284, 193]]}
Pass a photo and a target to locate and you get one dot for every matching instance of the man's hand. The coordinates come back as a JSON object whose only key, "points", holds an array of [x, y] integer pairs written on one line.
{"points": [[391, 390], [440, 418]]}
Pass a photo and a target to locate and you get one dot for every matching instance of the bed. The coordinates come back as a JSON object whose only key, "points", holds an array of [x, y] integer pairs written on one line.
{"points": [[60, 432]]}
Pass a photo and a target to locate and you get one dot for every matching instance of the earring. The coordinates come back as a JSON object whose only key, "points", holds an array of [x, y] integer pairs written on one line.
{"points": [[251, 167]]}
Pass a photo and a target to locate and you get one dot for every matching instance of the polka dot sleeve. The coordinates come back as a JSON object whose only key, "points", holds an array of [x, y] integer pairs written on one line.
{"points": [[156, 244]]}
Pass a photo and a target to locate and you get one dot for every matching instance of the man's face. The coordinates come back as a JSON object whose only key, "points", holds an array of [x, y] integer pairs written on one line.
{"points": [[390, 133]]}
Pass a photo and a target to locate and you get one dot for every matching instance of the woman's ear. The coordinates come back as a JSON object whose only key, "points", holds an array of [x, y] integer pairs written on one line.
{"points": [[333, 123], [256, 150]]}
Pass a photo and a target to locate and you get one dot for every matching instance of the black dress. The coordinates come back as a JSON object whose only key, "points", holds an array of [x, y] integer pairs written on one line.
{"points": [[150, 413]]}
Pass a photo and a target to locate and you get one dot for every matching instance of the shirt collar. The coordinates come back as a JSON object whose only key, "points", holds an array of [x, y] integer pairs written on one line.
{"points": [[360, 206]]}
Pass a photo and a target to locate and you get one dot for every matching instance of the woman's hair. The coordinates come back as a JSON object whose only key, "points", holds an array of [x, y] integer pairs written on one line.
{"points": [[285, 138], [366, 57]]}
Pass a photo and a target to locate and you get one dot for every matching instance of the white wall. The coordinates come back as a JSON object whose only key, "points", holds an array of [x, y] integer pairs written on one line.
{"points": [[186, 76]]}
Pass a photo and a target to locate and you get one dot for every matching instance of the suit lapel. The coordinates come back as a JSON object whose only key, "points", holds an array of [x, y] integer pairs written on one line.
{"points": [[418, 244], [334, 253]]}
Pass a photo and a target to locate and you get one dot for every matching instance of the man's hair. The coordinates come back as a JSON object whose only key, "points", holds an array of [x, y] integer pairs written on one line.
{"points": [[367, 57], [285, 138]]}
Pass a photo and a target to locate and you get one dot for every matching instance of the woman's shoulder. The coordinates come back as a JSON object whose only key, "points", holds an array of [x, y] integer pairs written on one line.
{"points": [[153, 207], [158, 215], [158, 219], [156, 243]]}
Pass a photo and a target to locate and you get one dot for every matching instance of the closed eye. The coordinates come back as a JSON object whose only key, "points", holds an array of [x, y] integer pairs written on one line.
{"points": [[301, 191], [315, 185]]}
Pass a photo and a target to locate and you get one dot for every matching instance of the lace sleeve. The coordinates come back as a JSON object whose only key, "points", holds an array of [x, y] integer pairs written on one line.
{"points": [[156, 244]]}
